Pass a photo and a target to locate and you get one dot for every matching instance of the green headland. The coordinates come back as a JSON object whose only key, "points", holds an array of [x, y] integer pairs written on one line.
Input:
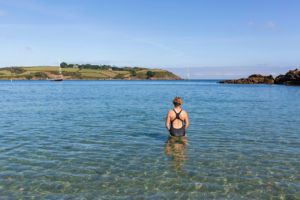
{"points": [[85, 72]]}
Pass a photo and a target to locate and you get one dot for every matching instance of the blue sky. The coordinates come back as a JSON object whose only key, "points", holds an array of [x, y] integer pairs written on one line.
{"points": [[205, 35]]}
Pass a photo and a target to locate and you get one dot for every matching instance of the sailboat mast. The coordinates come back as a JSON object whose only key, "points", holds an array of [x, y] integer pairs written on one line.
{"points": [[188, 73]]}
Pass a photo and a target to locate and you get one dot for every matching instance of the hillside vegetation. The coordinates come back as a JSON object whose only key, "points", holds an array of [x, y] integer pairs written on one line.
{"points": [[85, 73]]}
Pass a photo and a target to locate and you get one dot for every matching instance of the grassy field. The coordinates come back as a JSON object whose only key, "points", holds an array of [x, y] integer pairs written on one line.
{"points": [[52, 72]]}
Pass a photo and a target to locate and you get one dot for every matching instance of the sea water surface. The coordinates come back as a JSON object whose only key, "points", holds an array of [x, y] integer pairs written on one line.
{"points": [[107, 140]]}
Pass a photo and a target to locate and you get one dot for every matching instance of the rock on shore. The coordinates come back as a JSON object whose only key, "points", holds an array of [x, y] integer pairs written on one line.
{"points": [[253, 79], [292, 77]]}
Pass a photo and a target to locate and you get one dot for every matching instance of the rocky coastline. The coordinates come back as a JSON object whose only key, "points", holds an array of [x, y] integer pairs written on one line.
{"points": [[292, 77]]}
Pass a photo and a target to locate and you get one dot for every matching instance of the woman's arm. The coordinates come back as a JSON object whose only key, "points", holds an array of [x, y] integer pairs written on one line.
{"points": [[186, 120], [168, 120]]}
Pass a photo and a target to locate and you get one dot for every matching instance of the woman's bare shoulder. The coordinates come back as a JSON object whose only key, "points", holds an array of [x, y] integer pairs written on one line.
{"points": [[184, 112], [170, 111]]}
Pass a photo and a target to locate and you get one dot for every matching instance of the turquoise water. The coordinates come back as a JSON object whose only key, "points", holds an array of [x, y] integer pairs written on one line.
{"points": [[106, 140]]}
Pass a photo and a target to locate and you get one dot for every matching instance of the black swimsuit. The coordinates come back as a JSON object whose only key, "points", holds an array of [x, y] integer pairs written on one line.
{"points": [[177, 131]]}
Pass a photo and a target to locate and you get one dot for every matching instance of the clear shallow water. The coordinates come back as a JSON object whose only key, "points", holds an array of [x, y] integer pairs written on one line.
{"points": [[106, 140]]}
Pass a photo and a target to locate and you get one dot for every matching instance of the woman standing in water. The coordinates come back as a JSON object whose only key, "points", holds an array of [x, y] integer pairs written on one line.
{"points": [[177, 120]]}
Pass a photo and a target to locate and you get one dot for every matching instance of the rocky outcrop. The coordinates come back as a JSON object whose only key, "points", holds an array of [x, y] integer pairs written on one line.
{"points": [[253, 79], [290, 78]]}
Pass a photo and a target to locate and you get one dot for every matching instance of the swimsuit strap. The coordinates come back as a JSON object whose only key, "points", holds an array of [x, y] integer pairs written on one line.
{"points": [[177, 115]]}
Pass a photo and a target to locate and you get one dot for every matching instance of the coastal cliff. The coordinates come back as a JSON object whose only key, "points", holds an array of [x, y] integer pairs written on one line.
{"points": [[85, 73], [290, 78]]}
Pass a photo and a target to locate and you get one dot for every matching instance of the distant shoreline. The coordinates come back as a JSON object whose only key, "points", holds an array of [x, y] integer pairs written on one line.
{"points": [[95, 72], [150, 80], [212, 80]]}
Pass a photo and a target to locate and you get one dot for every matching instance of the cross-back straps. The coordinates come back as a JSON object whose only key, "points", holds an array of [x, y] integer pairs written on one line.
{"points": [[177, 115]]}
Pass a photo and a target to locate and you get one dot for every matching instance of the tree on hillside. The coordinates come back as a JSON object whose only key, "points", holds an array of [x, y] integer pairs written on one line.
{"points": [[17, 70], [133, 72], [28, 77], [63, 65], [150, 74]]}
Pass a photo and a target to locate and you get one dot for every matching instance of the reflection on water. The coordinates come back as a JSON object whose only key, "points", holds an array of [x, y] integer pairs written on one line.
{"points": [[175, 147]]}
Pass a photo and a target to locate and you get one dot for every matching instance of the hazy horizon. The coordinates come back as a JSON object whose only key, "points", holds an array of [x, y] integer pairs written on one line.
{"points": [[227, 72], [214, 72]]}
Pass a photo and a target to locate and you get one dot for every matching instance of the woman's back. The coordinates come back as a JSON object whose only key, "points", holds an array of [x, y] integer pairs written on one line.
{"points": [[177, 119]]}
